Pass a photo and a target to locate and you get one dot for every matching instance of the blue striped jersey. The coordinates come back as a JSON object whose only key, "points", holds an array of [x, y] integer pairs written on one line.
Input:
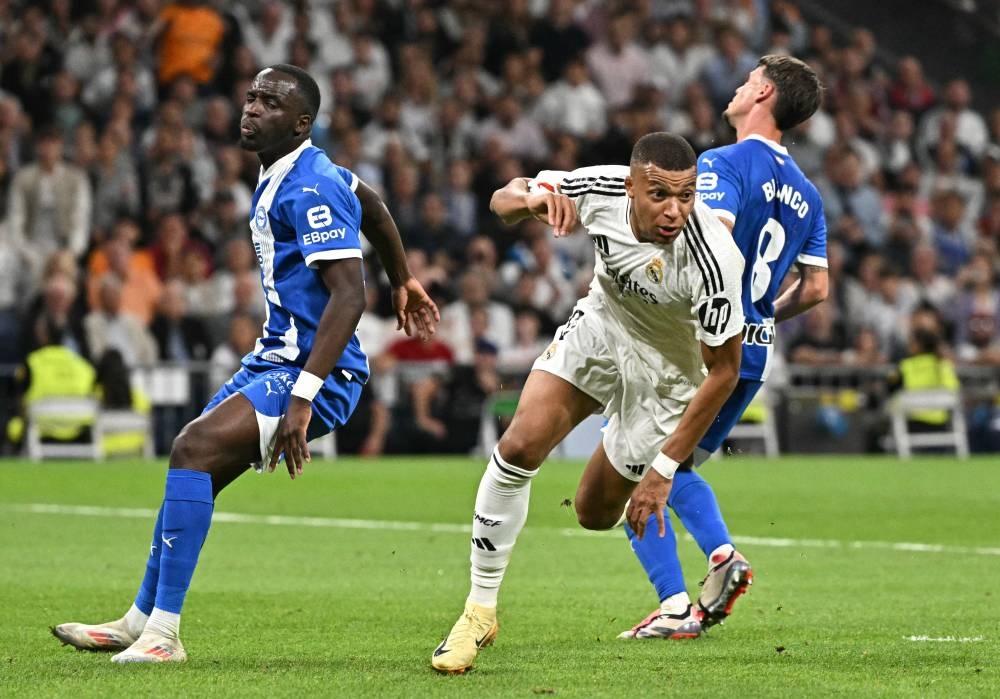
{"points": [[304, 211], [778, 220]]}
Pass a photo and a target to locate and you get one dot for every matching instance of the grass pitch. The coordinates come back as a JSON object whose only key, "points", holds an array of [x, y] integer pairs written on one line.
{"points": [[872, 577]]}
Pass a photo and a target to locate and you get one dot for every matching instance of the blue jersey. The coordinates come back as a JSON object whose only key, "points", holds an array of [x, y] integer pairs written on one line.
{"points": [[304, 211], [778, 221]]}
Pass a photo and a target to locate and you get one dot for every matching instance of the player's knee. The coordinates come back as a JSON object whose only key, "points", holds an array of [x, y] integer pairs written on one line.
{"points": [[189, 448], [595, 519], [522, 450]]}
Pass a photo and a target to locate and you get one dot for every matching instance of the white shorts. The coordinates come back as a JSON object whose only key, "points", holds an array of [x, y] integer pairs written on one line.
{"points": [[643, 398]]}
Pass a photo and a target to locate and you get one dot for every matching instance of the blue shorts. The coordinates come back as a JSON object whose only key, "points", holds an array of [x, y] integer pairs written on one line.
{"points": [[730, 414], [268, 387]]}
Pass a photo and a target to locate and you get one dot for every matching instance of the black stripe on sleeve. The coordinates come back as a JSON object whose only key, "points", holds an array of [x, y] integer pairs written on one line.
{"points": [[708, 263]]}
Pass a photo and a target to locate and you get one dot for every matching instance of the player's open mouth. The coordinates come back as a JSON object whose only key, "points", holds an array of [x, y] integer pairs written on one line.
{"points": [[247, 130], [667, 232]]}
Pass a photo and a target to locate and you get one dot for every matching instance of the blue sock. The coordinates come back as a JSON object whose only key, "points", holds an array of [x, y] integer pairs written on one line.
{"points": [[187, 514], [694, 503], [146, 597], [659, 557]]}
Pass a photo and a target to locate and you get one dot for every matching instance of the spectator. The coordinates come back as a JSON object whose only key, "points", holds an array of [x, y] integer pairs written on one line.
{"points": [[821, 340], [679, 61], [239, 341], [727, 70], [65, 111], [15, 282], [845, 192], [573, 105], [512, 132], [529, 343], [370, 70], [173, 240], [946, 172], [180, 336], [189, 34], [977, 312], [460, 200], [108, 326], [124, 75], [116, 183], [925, 283], [269, 34], [618, 63], [55, 318], [951, 237], [969, 126], [559, 37], [455, 328], [118, 256], [168, 185], [87, 50], [28, 70], [897, 145], [909, 91], [50, 202], [433, 233]]}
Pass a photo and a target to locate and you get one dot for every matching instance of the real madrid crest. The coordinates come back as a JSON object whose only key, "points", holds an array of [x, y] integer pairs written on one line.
{"points": [[654, 271], [550, 350]]}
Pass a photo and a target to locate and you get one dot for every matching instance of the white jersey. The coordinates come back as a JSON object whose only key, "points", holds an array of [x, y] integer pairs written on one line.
{"points": [[667, 297]]}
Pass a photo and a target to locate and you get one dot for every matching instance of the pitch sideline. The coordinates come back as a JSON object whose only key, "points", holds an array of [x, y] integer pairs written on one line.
{"points": [[375, 524]]}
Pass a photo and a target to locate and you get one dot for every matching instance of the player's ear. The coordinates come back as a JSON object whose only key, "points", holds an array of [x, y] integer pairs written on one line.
{"points": [[303, 125], [767, 91], [629, 186]]}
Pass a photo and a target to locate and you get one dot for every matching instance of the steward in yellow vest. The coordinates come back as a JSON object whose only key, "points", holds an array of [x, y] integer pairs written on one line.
{"points": [[925, 369], [54, 371]]}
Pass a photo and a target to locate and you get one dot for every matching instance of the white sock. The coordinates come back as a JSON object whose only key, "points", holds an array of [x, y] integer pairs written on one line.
{"points": [[501, 508], [677, 603], [720, 554], [164, 623], [135, 620]]}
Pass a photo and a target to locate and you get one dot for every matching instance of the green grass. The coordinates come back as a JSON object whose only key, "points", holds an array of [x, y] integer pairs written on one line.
{"points": [[332, 611]]}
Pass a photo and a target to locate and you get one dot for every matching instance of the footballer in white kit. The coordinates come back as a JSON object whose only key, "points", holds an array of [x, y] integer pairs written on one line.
{"points": [[655, 346], [632, 343]]}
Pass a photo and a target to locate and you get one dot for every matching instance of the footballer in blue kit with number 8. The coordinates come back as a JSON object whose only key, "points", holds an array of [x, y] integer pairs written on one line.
{"points": [[776, 217]]}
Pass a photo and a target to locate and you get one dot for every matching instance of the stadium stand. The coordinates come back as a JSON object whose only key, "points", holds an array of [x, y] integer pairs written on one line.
{"points": [[119, 173]]}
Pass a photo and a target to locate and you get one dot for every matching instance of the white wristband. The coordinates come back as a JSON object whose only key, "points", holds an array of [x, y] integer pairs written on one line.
{"points": [[307, 386], [664, 465]]}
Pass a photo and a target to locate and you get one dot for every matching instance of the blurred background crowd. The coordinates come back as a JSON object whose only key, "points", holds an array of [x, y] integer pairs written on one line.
{"points": [[124, 199]]}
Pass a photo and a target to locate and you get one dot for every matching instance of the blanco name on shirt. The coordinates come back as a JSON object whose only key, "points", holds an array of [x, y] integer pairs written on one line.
{"points": [[787, 195]]}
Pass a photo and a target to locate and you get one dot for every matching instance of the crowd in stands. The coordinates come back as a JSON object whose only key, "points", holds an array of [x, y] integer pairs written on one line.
{"points": [[124, 198]]}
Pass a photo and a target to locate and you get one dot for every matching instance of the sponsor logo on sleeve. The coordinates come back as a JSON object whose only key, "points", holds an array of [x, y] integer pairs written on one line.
{"points": [[714, 315]]}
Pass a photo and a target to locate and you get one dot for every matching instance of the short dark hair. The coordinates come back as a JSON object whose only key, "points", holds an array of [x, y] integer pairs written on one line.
{"points": [[305, 83], [664, 150], [799, 89]]}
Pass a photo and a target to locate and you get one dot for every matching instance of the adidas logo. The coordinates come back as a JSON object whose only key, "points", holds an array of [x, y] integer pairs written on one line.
{"points": [[484, 544], [637, 469]]}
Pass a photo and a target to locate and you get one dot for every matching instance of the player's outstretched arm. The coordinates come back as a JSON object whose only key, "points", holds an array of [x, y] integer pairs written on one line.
{"points": [[650, 496], [415, 310], [810, 289], [345, 281], [515, 202]]}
